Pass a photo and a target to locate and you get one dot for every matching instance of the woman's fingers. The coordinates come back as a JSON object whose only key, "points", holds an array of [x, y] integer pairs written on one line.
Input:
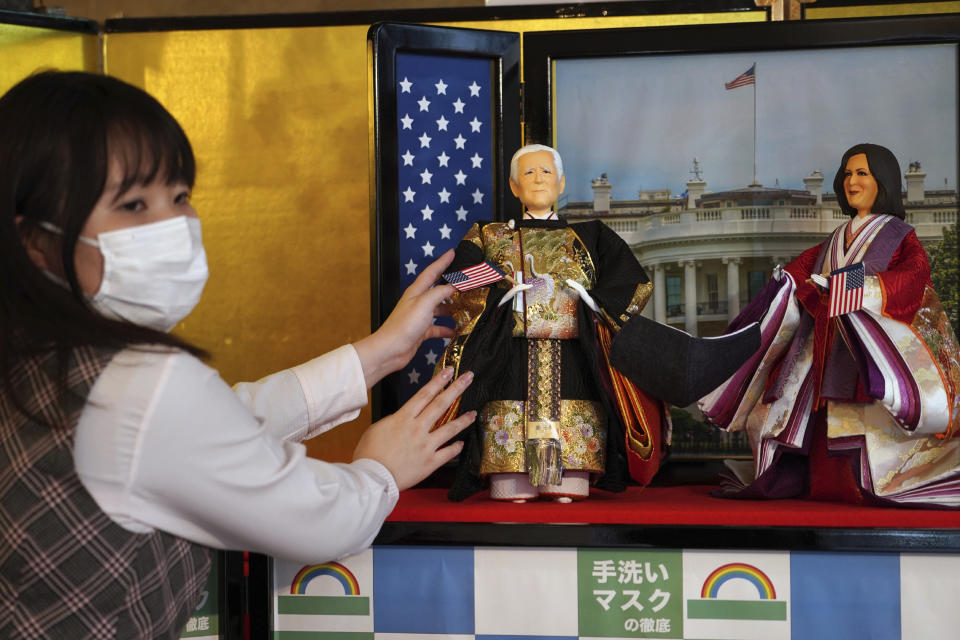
{"points": [[439, 404], [425, 395], [449, 430], [430, 274]]}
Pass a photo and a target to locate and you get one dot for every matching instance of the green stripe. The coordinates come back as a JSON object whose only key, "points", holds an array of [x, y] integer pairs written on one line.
{"points": [[737, 609], [322, 635], [324, 605]]}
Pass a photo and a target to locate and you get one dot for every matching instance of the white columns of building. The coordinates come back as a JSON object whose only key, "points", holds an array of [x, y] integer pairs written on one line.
{"points": [[659, 295], [690, 296], [733, 287]]}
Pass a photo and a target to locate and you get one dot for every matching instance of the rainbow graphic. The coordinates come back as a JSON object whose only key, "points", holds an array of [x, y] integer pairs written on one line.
{"points": [[332, 569], [738, 571]]}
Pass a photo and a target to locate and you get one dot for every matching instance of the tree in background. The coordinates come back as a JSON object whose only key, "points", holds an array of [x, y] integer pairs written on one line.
{"points": [[945, 273]]}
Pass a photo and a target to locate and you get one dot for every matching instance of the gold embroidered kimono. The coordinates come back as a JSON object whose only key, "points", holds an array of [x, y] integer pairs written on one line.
{"points": [[540, 359]]}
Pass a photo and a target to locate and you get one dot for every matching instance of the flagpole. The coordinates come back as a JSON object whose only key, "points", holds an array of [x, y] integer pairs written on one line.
{"points": [[755, 123]]}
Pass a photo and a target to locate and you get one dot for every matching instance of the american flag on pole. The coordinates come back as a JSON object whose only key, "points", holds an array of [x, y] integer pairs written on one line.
{"points": [[846, 290], [445, 169], [475, 276], [747, 77]]}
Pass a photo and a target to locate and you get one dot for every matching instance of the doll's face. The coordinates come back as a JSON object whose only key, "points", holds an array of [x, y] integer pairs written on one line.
{"points": [[859, 185], [537, 185]]}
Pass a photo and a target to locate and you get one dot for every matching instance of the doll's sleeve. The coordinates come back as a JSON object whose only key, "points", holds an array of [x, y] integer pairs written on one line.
{"points": [[903, 283], [622, 287]]}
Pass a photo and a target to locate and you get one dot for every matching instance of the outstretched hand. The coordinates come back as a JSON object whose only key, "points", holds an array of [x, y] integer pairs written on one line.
{"points": [[403, 441], [392, 346]]}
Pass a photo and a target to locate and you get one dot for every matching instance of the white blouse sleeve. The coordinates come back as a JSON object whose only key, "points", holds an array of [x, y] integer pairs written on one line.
{"points": [[164, 443], [303, 402]]}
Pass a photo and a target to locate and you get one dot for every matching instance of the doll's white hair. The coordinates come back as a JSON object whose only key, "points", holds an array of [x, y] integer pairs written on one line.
{"points": [[531, 148]]}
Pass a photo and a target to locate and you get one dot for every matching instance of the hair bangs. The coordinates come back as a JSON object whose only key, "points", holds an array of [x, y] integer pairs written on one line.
{"points": [[149, 145]]}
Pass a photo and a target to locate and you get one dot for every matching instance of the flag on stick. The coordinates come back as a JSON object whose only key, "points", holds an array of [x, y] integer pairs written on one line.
{"points": [[846, 290], [475, 276], [747, 77]]}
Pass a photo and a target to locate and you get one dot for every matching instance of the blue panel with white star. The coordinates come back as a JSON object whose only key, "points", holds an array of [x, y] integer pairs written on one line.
{"points": [[445, 168]]}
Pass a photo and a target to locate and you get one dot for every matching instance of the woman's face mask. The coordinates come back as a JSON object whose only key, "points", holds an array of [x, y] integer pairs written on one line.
{"points": [[153, 274]]}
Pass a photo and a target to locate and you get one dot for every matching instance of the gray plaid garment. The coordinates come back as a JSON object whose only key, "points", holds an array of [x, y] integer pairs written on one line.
{"points": [[67, 571]]}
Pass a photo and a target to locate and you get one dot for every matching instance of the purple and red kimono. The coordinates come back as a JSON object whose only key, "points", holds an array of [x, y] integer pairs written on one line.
{"points": [[860, 407]]}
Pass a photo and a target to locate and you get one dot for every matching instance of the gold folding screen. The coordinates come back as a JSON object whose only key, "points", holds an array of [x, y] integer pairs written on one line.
{"points": [[26, 49]]}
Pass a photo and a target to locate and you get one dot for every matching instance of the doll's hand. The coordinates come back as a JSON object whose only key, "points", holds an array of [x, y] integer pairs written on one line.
{"points": [[576, 286], [406, 443], [514, 290], [820, 281]]}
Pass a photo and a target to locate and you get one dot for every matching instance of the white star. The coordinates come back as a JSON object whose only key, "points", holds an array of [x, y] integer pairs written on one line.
{"points": [[458, 106], [445, 231], [474, 89], [425, 176], [477, 196], [442, 124], [425, 141], [443, 158], [411, 267], [476, 160], [431, 357], [405, 85], [407, 121], [427, 212], [408, 158], [410, 230], [475, 125], [428, 249], [444, 195], [461, 177], [461, 214], [441, 87], [414, 376], [424, 104], [408, 195], [460, 140], [446, 341]]}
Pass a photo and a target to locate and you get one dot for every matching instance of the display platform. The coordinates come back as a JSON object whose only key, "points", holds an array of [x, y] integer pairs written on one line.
{"points": [[685, 516], [666, 562]]}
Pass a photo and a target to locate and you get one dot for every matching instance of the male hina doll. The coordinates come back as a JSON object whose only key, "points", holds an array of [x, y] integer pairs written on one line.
{"points": [[554, 416]]}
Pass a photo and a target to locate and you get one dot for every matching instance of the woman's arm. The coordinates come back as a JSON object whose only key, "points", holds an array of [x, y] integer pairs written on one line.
{"points": [[164, 443]]}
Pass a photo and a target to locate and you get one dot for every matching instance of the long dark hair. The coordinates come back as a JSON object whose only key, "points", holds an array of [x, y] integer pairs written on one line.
{"points": [[59, 131], [886, 171]]}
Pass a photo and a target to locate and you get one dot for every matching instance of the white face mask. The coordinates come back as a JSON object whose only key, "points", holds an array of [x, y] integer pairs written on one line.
{"points": [[153, 274]]}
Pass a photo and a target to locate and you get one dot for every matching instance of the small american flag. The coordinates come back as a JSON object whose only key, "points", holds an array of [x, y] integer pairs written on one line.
{"points": [[475, 276], [846, 290], [747, 77]]}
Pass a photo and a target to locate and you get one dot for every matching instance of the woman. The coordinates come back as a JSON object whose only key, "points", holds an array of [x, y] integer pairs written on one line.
{"points": [[853, 395], [123, 458]]}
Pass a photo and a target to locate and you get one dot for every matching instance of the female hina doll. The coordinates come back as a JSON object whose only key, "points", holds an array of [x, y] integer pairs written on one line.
{"points": [[853, 395], [554, 416]]}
